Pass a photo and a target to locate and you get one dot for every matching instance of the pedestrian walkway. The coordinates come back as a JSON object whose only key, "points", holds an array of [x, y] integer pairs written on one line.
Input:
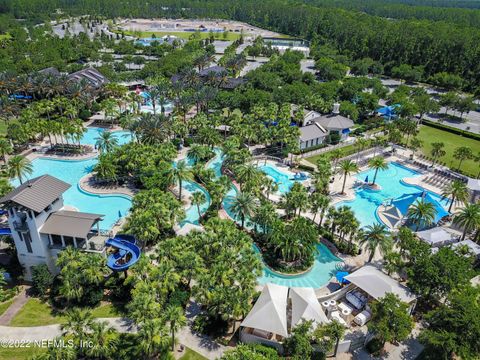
{"points": [[197, 342], [15, 307]]}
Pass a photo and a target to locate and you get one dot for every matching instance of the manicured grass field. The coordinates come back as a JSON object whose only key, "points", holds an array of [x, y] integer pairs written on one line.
{"points": [[182, 34], [430, 135], [37, 313], [192, 355], [20, 353], [346, 150], [4, 306]]}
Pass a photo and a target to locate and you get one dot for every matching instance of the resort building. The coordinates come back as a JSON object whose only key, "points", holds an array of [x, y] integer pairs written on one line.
{"points": [[437, 237], [282, 45], [315, 128], [91, 75], [41, 225]]}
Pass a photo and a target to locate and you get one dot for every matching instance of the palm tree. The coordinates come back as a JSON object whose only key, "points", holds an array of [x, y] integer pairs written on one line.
{"points": [[5, 149], [106, 142], [78, 322], [197, 199], [19, 167], [104, 341], [243, 206], [469, 219], [415, 144], [422, 212], [462, 153], [347, 167], [153, 338], [181, 172], [376, 237], [377, 163], [247, 174], [360, 144], [437, 151], [176, 318], [269, 186], [458, 191]]}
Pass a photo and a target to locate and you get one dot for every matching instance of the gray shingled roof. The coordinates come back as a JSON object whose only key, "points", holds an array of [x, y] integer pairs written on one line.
{"points": [[36, 194], [334, 122], [310, 132], [92, 75], [70, 223]]}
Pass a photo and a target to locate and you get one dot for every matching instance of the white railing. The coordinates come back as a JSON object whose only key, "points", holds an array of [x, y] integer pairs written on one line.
{"points": [[328, 148]]}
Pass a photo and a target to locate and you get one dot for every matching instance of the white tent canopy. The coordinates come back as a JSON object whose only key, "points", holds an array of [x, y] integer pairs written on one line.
{"points": [[306, 306], [377, 284], [270, 311], [437, 236]]}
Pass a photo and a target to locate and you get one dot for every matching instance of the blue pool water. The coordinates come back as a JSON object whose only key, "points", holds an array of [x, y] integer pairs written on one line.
{"points": [[283, 180], [323, 267], [191, 214], [90, 136], [71, 171], [367, 201], [322, 271]]}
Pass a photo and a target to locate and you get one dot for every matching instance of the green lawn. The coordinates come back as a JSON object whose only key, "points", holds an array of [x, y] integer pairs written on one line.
{"points": [[20, 353], [345, 151], [37, 313], [429, 135], [181, 34], [4, 306], [192, 355]]}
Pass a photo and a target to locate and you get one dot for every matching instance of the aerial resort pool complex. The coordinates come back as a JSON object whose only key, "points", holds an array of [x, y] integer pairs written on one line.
{"points": [[391, 186], [209, 188]]}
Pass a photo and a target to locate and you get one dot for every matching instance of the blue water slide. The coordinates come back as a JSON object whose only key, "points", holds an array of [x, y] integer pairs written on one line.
{"points": [[5, 231], [127, 253]]}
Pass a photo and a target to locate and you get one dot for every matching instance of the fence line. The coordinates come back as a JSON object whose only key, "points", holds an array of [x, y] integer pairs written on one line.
{"points": [[327, 148]]}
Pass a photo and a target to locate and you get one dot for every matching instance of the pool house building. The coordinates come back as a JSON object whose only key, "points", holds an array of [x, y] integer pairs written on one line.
{"points": [[41, 225]]}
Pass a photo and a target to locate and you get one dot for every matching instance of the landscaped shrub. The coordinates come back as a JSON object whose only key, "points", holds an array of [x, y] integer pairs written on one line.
{"points": [[451, 129], [84, 114], [374, 346], [42, 279]]}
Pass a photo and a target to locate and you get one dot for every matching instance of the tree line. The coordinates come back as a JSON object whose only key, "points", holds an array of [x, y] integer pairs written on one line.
{"points": [[437, 45]]}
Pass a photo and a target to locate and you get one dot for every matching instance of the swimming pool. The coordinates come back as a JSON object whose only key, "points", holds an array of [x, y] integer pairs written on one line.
{"points": [[324, 264], [191, 214], [367, 201], [283, 180], [92, 133], [322, 271], [71, 171]]}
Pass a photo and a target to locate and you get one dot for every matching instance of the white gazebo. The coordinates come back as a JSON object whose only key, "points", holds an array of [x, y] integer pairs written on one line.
{"points": [[377, 284], [305, 306], [436, 237], [267, 321]]}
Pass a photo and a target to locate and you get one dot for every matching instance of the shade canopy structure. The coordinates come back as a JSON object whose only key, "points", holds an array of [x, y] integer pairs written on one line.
{"points": [[388, 112], [70, 223], [270, 311], [437, 236], [377, 284], [404, 202], [340, 276], [305, 306]]}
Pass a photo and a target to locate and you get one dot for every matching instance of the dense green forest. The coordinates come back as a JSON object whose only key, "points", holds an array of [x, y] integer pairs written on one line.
{"points": [[437, 46], [397, 9]]}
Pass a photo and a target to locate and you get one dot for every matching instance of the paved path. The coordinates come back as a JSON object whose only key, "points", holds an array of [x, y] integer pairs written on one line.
{"points": [[201, 344], [13, 309]]}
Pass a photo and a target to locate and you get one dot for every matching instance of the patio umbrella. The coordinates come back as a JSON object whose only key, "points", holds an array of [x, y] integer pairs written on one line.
{"points": [[340, 276], [119, 214], [366, 179]]}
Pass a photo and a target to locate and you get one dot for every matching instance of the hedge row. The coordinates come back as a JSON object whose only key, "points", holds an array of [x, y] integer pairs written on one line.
{"points": [[452, 129]]}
